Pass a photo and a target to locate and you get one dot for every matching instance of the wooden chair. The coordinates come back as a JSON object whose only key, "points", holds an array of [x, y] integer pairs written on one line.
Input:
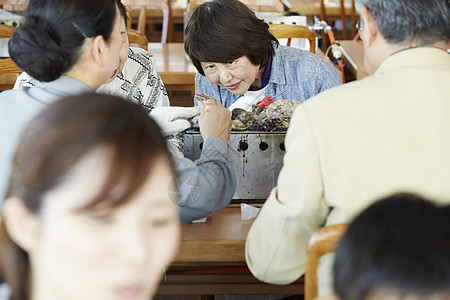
{"points": [[144, 7], [9, 71], [343, 18], [14, 5], [323, 241], [141, 23], [284, 31], [135, 38], [6, 31]]}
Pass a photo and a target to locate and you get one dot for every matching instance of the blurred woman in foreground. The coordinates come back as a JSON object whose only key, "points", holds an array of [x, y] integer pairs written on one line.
{"points": [[88, 211]]}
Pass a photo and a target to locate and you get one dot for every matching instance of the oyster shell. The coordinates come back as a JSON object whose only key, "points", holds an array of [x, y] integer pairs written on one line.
{"points": [[238, 125], [246, 117], [282, 109], [236, 112], [276, 116]]}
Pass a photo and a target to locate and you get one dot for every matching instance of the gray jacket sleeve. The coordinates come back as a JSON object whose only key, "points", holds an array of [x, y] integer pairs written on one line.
{"points": [[207, 184]]}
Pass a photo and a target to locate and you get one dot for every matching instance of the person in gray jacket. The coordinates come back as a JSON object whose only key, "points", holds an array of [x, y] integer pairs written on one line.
{"points": [[75, 46]]}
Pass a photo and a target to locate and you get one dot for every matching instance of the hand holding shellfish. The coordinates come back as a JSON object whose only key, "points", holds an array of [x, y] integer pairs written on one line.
{"points": [[203, 97], [214, 120]]}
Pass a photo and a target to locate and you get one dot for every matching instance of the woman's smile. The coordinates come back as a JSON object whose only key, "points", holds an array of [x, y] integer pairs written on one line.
{"points": [[232, 87]]}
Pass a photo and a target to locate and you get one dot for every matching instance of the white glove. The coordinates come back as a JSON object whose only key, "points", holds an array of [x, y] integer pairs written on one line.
{"points": [[173, 119], [244, 102]]}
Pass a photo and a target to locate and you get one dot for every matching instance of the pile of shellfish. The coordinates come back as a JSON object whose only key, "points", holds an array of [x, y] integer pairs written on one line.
{"points": [[276, 116]]}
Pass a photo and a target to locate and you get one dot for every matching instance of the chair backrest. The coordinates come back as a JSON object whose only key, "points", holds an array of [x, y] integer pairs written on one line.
{"points": [[323, 16], [14, 2], [135, 38], [255, 5], [142, 19], [142, 6], [323, 241], [9, 72], [8, 69], [6, 31], [14, 5], [285, 31]]}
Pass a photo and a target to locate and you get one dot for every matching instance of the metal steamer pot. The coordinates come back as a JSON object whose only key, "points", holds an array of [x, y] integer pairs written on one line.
{"points": [[255, 156]]}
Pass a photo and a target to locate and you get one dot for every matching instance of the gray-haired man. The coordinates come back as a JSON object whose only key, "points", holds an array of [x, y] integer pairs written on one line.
{"points": [[356, 143]]}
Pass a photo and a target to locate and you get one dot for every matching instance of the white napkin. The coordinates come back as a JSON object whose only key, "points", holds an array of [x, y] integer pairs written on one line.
{"points": [[248, 212]]}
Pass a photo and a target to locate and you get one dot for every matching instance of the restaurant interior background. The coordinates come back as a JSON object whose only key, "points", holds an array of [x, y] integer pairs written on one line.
{"points": [[334, 12], [151, 17], [163, 21]]}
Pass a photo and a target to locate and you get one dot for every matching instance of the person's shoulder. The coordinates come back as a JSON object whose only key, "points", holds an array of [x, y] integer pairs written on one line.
{"points": [[292, 57], [137, 51], [13, 93], [297, 54], [137, 59], [16, 106], [301, 65], [138, 55], [17, 96]]}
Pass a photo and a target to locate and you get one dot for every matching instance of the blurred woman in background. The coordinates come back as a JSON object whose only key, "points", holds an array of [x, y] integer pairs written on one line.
{"points": [[76, 46], [88, 211]]}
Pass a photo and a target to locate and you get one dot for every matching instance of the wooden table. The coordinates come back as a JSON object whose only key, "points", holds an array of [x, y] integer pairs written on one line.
{"points": [[211, 261], [353, 57], [176, 71], [173, 64]]}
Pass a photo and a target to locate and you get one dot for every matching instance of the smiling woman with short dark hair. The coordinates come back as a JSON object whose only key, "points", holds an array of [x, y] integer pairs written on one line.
{"points": [[235, 55]]}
